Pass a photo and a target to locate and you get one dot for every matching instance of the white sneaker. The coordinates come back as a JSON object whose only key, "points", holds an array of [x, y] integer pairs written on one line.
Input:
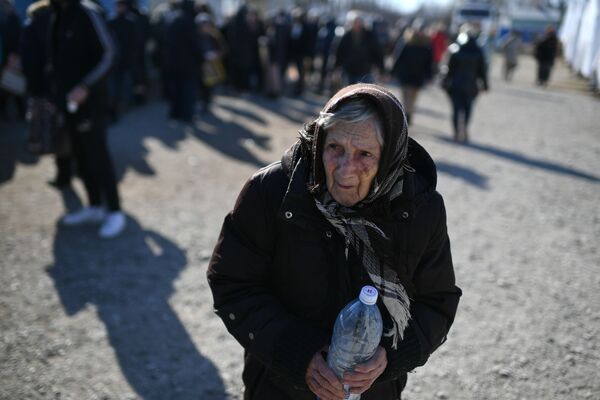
{"points": [[113, 224], [86, 215]]}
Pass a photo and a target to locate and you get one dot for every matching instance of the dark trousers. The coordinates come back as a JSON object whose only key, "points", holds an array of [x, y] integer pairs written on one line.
{"points": [[543, 72], [121, 89], [205, 93], [90, 150], [461, 108], [182, 97], [64, 169], [5, 97]]}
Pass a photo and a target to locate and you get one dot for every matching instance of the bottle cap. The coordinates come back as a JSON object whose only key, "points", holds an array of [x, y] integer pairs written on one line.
{"points": [[368, 295]]}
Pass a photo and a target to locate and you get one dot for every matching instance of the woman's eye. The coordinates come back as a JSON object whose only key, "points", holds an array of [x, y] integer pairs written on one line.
{"points": [[332, 146], [366, 154]]}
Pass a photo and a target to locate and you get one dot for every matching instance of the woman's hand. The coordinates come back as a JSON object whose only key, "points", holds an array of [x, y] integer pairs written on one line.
{"points": [[365, 374], [321, 380]]}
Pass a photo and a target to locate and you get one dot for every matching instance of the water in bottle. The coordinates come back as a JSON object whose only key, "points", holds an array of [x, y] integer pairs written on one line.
{"points": [[356, 335]]}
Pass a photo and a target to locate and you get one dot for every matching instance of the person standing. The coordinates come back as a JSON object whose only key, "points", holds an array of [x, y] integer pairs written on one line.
{"points": [[34, 58], [242, 33], [182, 61], [212, 49], [298, 47], [353, 202], [10, 39], [511, 48], [413, 68], [125, 32], [439, 45], [545, 53], [358, 52], [326, 37], [80, 57], [467, 73], [277, 32]]}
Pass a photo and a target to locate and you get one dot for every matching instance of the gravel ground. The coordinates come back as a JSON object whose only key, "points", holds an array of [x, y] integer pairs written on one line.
{"points": [[131, 318]]}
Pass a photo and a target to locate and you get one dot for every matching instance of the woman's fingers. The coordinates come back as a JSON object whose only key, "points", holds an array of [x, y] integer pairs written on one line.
{"points": [[378, 361], [322, 381], [321, 392], [366, 373]]}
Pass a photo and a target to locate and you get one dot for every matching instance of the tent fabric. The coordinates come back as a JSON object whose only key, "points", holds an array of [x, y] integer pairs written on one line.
{"points": [[580, 37]]}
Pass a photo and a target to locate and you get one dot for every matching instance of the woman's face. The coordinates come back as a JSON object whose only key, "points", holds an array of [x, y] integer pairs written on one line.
{"points": [[351, 155]]}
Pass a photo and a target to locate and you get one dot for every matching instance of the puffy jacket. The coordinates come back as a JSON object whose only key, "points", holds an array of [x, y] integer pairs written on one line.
{"points": [[279, 277]]}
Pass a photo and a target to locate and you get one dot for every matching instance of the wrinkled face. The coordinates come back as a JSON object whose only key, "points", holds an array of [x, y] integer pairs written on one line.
{"points": [[351, 155]]}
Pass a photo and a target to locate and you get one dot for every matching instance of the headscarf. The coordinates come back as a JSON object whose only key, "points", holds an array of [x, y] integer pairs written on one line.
{"points": [[360, 225]]}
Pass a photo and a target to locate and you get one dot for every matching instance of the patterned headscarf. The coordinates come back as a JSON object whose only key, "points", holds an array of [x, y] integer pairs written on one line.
{"points": [[360, 224]]}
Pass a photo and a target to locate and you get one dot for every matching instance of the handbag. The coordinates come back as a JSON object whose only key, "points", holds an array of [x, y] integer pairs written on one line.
{"points": [[213, 72], [47, 133], [446, 83], [13, 81]]}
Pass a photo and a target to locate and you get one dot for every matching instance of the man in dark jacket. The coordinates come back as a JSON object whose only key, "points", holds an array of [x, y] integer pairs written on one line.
{"points": [[467, 73], [81, 54], [358, 53], [298, 247]]}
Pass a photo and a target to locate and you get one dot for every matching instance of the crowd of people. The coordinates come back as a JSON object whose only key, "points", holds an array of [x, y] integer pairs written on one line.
{"points": [[91, 67]]}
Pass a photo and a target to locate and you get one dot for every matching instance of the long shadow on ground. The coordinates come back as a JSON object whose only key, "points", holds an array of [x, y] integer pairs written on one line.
{"points": [[458, 171], [524, 159], [129, 281], [230, 138], [12, 149]]}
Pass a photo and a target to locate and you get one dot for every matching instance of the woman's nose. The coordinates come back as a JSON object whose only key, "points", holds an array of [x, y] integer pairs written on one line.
{"points": [[347, 165]]}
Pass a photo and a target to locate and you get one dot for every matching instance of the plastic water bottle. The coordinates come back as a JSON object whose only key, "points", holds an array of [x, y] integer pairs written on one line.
{"points": [[356, 335]]}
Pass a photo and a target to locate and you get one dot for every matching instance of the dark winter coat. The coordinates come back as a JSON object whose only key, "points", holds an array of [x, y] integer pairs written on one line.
{"points": [[81, 53], [279, 276], [414, 65], [546, 49], [242, 41], [467, 70], [181, 51], [126, 33], [359, 54]]}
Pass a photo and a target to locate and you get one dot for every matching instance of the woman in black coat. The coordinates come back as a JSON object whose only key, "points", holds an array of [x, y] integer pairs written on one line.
{"points": [[413, 68], [467, 73], [545, 53], [353, 202]]}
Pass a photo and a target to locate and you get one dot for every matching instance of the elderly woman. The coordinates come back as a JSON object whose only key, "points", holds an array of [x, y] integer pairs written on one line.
{"points": [[353, 202]]}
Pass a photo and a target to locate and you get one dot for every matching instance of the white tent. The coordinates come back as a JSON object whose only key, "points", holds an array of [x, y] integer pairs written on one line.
{"points": [[569, 31], [588, 41]]}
